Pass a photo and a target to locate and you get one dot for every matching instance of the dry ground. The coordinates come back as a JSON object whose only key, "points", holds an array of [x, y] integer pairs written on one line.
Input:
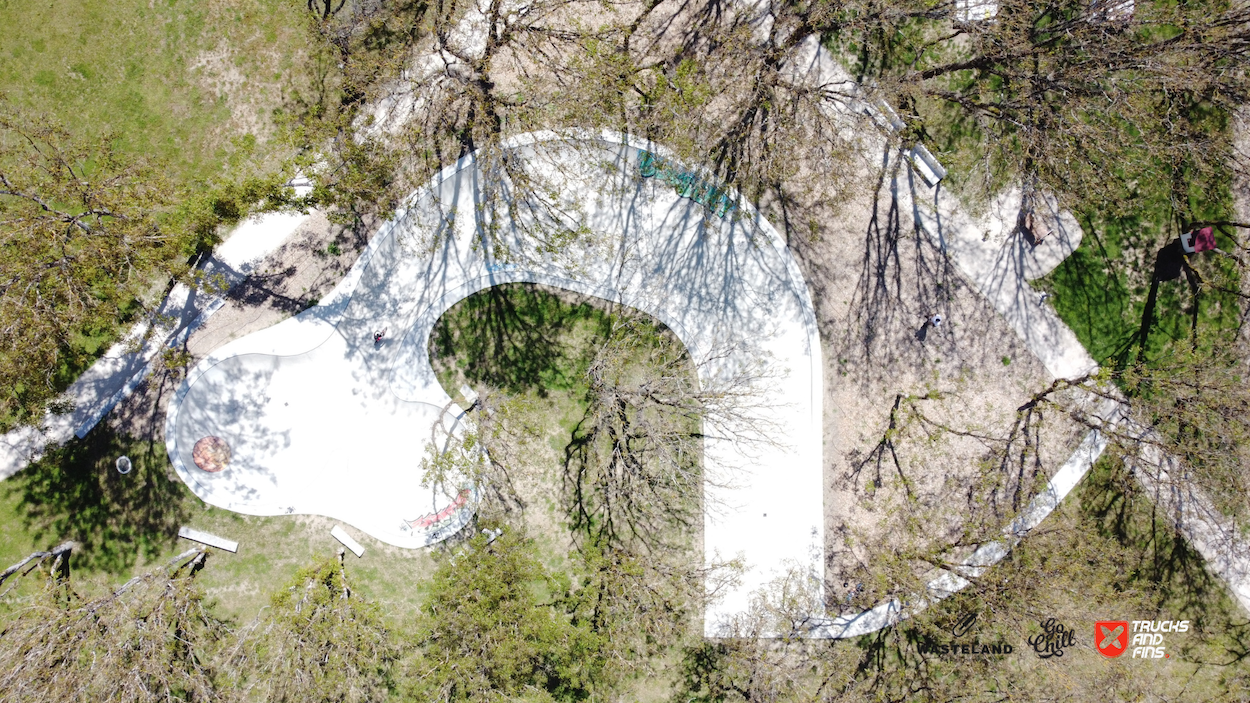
{"points": [[916, 430]]}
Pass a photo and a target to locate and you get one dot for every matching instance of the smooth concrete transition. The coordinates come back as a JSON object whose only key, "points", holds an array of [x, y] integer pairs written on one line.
{"points": [[313, 416]]}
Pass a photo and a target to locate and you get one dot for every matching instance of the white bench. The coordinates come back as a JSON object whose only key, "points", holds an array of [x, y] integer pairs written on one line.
{"points": [[341, 535], [206, 538]]}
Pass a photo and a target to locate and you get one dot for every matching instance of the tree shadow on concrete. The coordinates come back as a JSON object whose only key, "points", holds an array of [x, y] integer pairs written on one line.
{"points": [[75, 492], [266, 290]]}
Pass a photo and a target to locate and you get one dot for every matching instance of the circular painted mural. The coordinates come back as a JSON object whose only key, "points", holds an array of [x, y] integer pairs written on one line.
{"points": [[211, 454]]}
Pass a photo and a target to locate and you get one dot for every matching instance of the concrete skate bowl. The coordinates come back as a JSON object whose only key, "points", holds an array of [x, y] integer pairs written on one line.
{"points": [[312, 416]]}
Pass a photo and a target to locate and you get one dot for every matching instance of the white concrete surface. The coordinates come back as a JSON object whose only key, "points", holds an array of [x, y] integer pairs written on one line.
{"points": [[998, 262], [321, 420], [975, 10]]}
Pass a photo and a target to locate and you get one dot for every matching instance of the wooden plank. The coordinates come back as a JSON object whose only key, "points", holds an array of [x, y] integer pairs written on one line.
{"points": [[341, 535], [206, 538]]}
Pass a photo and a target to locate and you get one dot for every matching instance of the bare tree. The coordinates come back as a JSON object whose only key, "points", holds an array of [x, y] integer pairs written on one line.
{"points": [[152, 639], [634, 469], [1063, 96]]}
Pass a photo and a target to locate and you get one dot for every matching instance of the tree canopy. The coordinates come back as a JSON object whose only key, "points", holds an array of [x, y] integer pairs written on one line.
{"points": [[82, 246]]}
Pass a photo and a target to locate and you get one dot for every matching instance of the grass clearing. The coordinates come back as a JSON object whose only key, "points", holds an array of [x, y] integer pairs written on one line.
{"points": [[1101, 290], [191, 84], [519, 338], [534, 344]]}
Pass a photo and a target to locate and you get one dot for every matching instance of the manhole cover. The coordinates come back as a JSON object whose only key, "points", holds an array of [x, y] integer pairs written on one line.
{"points": [[211, 454]]}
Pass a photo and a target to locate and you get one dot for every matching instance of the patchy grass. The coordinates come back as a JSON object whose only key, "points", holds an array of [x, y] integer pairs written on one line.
{"points": [[273, 549], [1100, 291], [192, 84]]}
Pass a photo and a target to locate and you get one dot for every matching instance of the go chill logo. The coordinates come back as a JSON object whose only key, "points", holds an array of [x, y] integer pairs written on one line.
{"points": [[1145, 637]]}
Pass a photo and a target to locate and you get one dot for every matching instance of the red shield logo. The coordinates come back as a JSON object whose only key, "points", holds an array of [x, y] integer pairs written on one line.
{"points": [[1111, 637]]}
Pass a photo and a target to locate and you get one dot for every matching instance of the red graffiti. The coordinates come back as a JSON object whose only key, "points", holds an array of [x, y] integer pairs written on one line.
{"points": [[443, 514]]}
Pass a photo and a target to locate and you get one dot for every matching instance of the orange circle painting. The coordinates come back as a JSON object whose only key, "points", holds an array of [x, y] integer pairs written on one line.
{"points": [[211, 454]]}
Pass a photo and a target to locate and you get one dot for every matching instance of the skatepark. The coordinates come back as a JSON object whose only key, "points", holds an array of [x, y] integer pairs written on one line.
{"points": [[316, 415]]}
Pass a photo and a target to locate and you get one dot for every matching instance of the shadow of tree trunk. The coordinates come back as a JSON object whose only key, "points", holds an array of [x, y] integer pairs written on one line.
{"points": [[904, 278]]}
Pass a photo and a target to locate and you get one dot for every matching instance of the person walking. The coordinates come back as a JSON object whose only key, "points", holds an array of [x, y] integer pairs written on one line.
{"points": [[936, 320]]}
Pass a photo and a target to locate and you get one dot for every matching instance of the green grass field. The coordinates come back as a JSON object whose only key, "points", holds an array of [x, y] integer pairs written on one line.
{"points": [[194, 86], [190, 84]]}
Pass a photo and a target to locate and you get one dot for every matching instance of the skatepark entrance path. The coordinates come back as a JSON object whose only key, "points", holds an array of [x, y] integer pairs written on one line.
{"points": [[313, 416]]}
